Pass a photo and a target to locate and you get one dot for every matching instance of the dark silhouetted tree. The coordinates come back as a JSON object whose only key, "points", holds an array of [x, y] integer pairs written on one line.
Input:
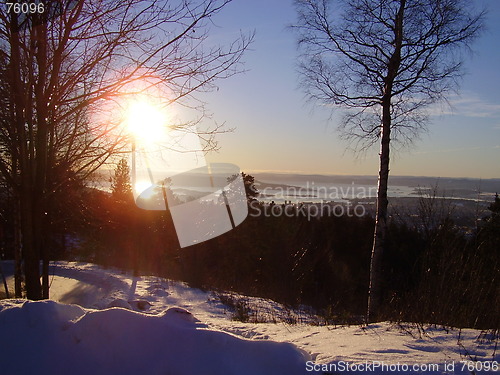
{"points": [[384, 62], [121, 188], [59, 68]]}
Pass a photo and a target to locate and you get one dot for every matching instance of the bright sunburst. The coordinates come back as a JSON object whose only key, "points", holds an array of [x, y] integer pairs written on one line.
{"points": [[146, 122], [141, 186]]}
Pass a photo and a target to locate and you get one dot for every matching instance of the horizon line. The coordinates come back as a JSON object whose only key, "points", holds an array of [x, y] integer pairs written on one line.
{"points": [[329, 174]]}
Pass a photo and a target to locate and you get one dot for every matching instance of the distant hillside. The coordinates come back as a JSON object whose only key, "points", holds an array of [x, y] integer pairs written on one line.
{"points": [[465, 186]]}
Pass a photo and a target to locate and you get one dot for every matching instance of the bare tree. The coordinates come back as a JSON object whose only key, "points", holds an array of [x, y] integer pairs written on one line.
{"points": [[384, 62], [64, 63]]}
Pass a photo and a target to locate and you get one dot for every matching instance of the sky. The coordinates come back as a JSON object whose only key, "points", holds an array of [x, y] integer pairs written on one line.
{"points": [[277, 130]]}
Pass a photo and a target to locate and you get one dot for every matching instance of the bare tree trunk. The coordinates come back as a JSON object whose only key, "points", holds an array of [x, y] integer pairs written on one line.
{"points": [[45, 273], [18, 272], [42, 133], [7, 294], [4, 280], [13, 198], [30, 255], [379, 238]]}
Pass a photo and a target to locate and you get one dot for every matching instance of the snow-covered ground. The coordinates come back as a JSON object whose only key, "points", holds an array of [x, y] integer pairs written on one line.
{"points": [[102, 321]]}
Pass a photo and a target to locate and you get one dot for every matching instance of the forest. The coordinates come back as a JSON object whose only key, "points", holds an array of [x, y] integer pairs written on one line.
{"points": [[431, 266]]}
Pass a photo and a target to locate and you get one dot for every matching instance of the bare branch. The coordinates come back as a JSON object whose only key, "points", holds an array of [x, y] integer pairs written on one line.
{"points": [[346, 50]]}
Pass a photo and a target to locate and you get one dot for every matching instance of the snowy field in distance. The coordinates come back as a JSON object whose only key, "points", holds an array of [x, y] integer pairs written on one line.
{"points": [[108, 322]]}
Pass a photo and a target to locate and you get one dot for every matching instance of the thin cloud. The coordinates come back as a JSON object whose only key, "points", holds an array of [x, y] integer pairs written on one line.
{"points": [[468, 105], [474, 148]]}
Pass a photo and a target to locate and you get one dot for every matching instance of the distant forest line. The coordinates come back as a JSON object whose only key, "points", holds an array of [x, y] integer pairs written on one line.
{"points": [[450, 184]]}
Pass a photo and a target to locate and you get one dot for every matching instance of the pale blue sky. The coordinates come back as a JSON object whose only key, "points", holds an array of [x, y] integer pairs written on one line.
{"points": [[277, 130]]}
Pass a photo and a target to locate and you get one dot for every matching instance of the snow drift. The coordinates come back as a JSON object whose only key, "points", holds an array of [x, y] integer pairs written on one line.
{"points": [[111, 322], [67, 339]]}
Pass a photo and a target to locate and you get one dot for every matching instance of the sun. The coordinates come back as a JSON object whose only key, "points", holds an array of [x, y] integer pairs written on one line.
{"points": [[146, 121], [141, 186]]}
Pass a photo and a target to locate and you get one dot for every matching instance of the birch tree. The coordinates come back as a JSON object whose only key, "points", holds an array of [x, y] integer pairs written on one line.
{"points": [[384, 62]]}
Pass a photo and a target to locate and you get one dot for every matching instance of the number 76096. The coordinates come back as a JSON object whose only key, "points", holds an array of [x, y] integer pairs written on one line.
{"points": [[27, 7]]}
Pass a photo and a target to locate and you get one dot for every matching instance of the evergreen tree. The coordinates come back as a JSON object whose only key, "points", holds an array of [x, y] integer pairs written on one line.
{"points": [[121, 188], [491, 229], [251, 190], [495, 206]]}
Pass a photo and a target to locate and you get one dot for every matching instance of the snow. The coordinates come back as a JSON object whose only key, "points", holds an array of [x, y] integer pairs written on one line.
{"points": [[103, 321]]}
